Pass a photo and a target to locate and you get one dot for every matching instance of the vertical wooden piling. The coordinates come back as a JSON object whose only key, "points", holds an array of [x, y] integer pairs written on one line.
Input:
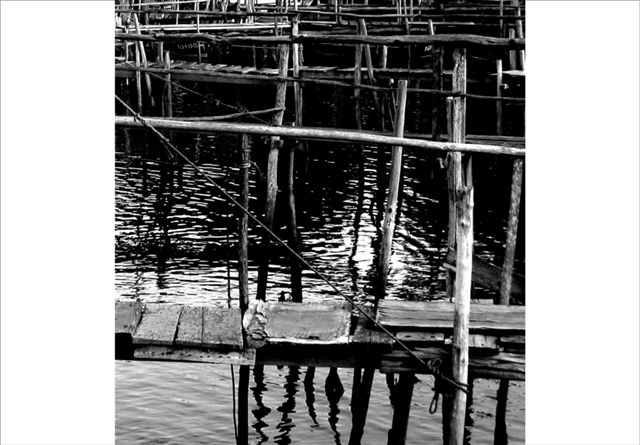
{"points": [[169, 90], [143, 58], [464, 250], [512, 231], [243, 406], [392, 196], [520, 35], [454, 165], [272, 170], [243, 229], [294, 241], [138, 81], [498, 94], [512, 53], [401, 408], [357, 80], [437, 62]]}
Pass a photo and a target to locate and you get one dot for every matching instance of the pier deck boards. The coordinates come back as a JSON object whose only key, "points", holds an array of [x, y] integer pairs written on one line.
{"points": [[320, 334]]}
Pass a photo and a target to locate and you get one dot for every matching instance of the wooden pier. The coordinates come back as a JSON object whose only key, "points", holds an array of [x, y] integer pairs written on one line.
{"points": [[321, 334]]}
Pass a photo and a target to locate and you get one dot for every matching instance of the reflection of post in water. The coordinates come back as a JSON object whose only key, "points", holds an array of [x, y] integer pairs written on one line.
{"points": [[291, 388], [163, 206], [262, 411], [333, 389], [356, 222], [403, 392], [309, 393], [500, 436], [360, 403]]}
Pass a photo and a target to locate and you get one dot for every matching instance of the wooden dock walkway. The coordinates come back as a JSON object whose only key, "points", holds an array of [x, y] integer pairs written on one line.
{"points": [[321, 334]]}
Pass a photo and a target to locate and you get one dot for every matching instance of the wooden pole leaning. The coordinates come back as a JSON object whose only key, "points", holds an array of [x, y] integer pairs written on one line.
{"points": [[512, 231], [392, 196], [464, 251], [272, 170]]}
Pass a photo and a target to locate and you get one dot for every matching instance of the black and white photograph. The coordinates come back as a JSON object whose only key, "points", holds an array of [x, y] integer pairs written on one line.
{"points": [[315, 222]]}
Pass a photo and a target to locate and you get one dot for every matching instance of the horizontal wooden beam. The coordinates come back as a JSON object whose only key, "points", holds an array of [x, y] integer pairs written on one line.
{"points": [[461, 40], [312, 133]]}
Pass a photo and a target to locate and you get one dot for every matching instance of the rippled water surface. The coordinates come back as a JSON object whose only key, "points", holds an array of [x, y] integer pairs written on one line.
{"points": [[175, 242]]}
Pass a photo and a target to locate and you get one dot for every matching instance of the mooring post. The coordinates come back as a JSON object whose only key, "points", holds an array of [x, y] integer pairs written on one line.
{"points": [[454, 166], [498, 94], [392, 196], [464, 251], [401, 408], [512, 231], [272, 169]]}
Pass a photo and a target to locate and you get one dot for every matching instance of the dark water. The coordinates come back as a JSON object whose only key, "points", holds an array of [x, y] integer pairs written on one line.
{"points": [[175, 242]]}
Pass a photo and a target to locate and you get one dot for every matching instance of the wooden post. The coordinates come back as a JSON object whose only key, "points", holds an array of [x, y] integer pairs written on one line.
{"points": [[138, 82], [499, 94], [272, 170], [437, 60], [512, 231], [294, 242], [243, 267], [362, 29], [357, 80], [143, 58], [464, 250], [197, 5], [401, 408], [512, 53], [169, 90], [392, 199], [520, 35], [454, 165]]}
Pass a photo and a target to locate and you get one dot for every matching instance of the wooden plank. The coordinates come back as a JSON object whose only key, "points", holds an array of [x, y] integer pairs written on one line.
{"points": [[245, 357], [421, 337], [295, 323], [127, 316], [222, 327], [481, 364], [190, 326], [479, 341], [158, 325], [487, 275], [420, 316]]}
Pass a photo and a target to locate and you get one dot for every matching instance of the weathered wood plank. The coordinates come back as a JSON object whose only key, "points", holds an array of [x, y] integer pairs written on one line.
{"points": [[480, 364], [222, 327], [158, 325], [421, 337], [295, 323], [190, 326], [419, 316], [127, 316], [245, 357], [479, 341], [487, 275]]}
